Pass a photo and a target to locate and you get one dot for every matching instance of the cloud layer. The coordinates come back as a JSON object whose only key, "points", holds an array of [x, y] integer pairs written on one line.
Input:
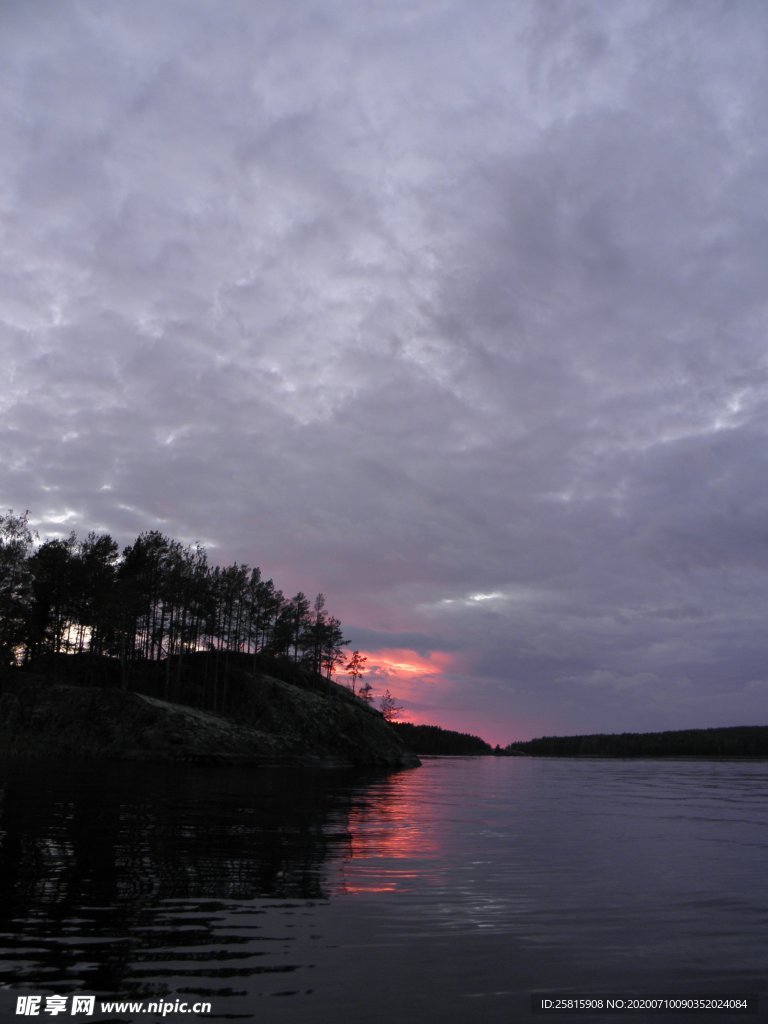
{"points": [[455, 311]]}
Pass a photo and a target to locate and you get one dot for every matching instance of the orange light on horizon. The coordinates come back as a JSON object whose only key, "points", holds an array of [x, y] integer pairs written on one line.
{"points": [[400, 661], [405, 673], [430, 689]]}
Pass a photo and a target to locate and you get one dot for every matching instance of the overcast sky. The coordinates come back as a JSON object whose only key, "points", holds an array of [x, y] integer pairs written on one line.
{"points": [[455, 310]]}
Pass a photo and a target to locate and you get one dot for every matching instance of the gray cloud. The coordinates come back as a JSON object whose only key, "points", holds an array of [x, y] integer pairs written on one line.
{"points": [[411, 304]]}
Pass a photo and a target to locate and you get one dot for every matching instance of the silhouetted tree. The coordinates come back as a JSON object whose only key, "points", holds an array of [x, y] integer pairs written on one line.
{"points": [[159, 601], [94, 606], [139, 584], [312, 641], [300, 623], [355, 667], [332, 652], [16, 597], [389, 707], [54, 584]]}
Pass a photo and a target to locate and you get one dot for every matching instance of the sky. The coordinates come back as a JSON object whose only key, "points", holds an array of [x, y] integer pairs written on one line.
{"points": [[454, 310]]}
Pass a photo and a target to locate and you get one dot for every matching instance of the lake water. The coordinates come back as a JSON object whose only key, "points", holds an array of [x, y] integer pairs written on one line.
{"points": [[446, 893]]}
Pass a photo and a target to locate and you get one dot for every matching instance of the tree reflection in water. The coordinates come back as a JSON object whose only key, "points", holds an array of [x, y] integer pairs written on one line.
{"points": [[101, 864]]}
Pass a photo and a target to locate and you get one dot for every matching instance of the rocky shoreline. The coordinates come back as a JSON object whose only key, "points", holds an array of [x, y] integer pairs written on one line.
{"points": [[277, 723]]}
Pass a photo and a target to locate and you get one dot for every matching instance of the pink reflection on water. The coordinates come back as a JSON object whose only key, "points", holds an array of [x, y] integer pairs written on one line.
{"points": [[393, 843]]}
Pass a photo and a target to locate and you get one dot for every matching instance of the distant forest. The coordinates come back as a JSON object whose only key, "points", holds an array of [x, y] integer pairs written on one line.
{"points": [[432, 739], [156, 600], [736, 741]]}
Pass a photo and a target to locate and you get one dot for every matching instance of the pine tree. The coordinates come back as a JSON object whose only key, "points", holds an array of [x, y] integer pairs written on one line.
{"points": [[355, 667], [390, 709], [16, 595]]}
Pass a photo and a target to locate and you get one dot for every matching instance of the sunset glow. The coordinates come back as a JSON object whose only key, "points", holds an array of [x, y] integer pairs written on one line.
{"points": [[503, 408], [407, 664], [413, 679]]}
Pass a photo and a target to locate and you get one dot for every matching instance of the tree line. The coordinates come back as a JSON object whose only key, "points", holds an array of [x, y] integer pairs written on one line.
{"points": [[156, 600], [433, 739], [726, 741]]}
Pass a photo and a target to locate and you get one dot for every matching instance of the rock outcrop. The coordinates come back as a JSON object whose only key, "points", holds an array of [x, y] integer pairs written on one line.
{"points": [[276, 723]]}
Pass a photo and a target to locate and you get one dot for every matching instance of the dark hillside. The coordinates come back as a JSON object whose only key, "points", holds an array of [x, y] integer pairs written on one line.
{"points": [[75, 706]]}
